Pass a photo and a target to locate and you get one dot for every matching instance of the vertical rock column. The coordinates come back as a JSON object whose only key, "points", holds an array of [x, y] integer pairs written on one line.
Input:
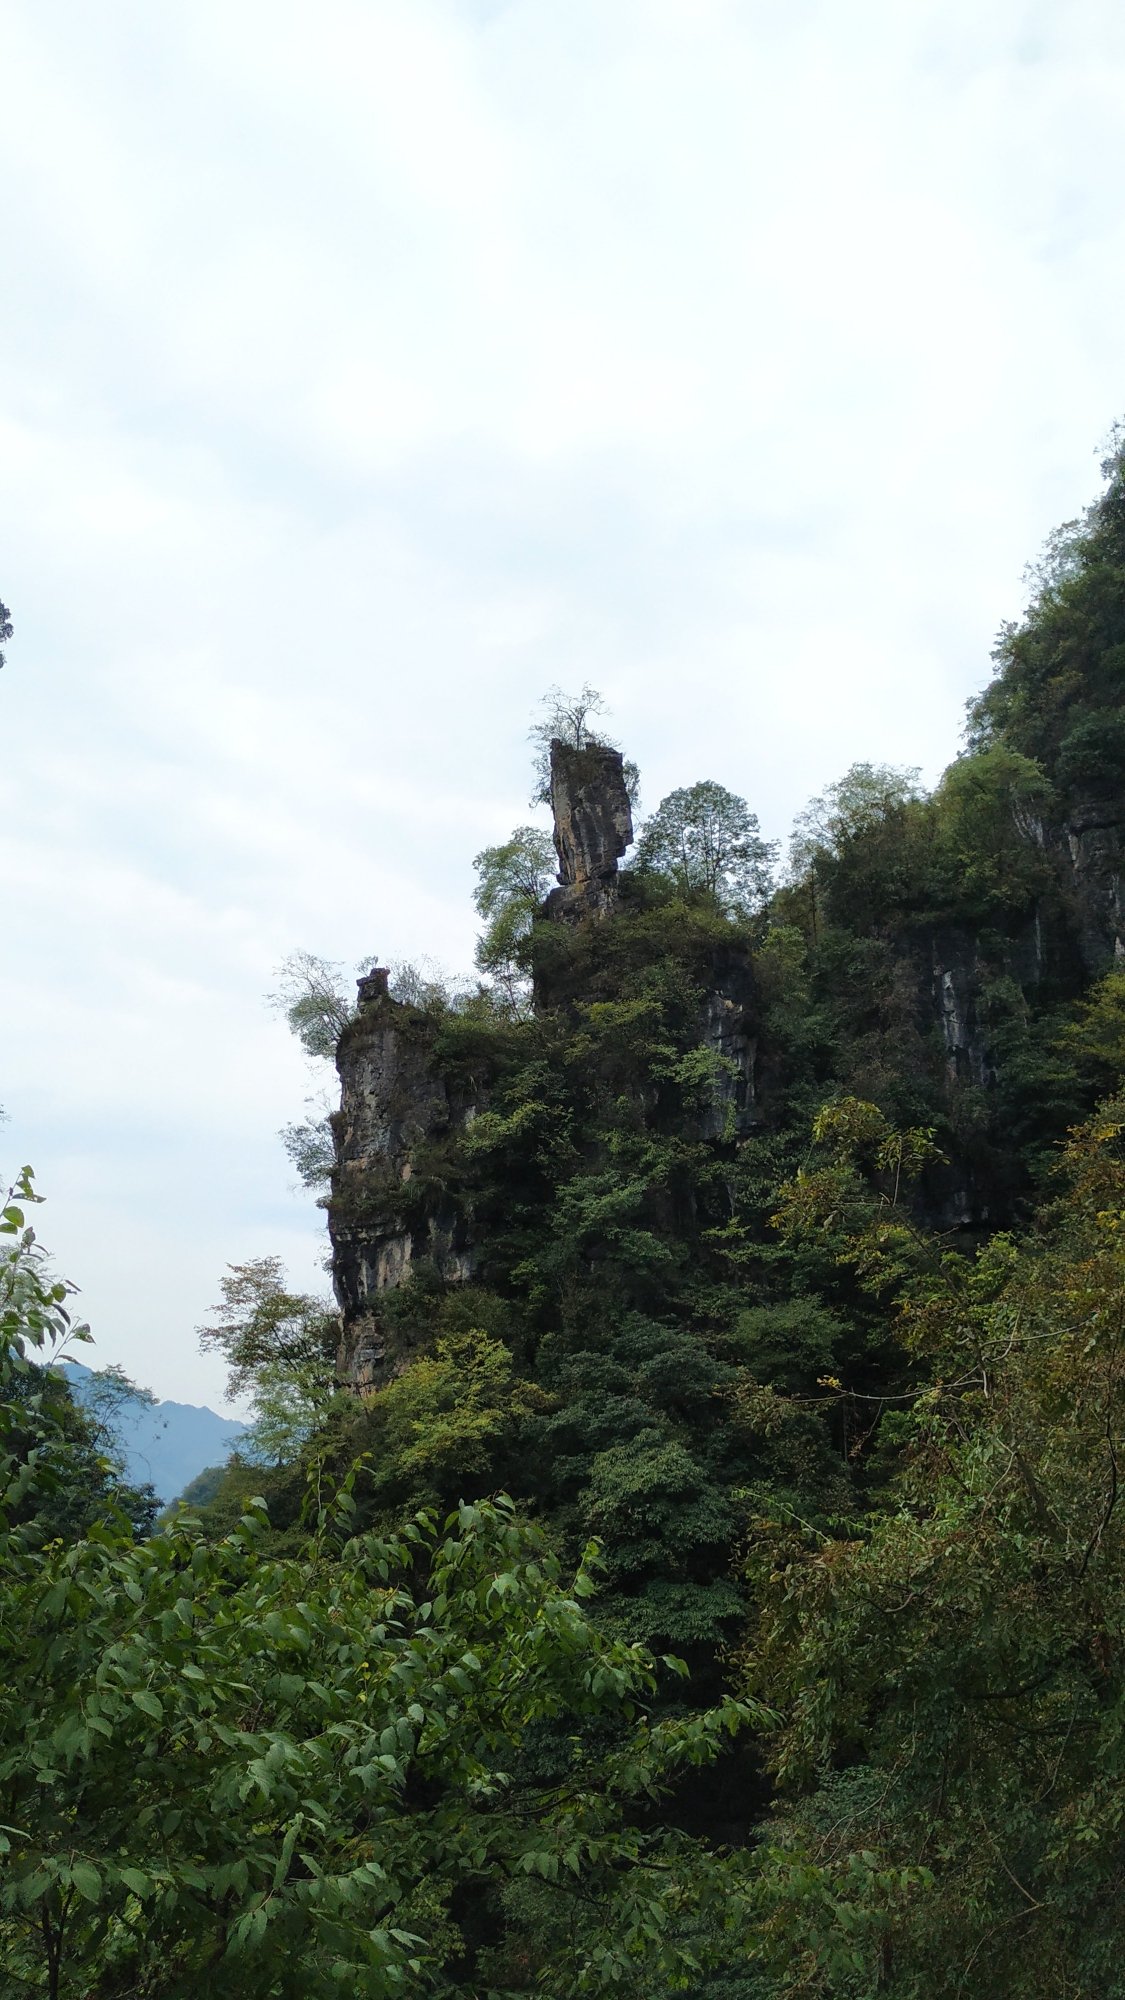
{"points": [[381, 1217], [593, 827]]}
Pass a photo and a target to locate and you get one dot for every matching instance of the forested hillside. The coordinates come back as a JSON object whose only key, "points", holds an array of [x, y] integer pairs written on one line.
{"points": [[749, 1245]]}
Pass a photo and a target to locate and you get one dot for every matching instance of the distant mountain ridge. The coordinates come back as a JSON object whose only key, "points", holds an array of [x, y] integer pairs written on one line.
{"points": [[167, 1444]]}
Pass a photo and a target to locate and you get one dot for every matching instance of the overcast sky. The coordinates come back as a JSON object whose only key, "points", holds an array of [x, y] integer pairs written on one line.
{"points": [[366, 368]]}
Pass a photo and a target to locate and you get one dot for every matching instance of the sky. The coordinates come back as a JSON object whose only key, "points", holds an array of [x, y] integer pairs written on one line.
{"points": [[368, 367]]}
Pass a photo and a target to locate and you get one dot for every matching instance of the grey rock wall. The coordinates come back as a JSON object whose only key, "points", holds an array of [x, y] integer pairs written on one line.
{"points": [[383, 1220], [1091, 854], [955, 991], [728, 1028], [593, 828]]}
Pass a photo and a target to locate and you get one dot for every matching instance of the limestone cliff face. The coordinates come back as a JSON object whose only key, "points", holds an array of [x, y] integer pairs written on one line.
{"points": [[1091, 852], [391, 1214], [388, 1212], [956, 992], [728, 1028], [1074, 934], [593, 828], [386, 1215]]}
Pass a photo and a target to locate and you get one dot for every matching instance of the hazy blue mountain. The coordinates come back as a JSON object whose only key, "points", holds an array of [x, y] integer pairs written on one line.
{"points": [[168, 1444]]}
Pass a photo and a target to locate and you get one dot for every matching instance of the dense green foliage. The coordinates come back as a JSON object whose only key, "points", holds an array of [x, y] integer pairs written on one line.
{"points": [[224, 1771], [1059, 694], [816, 1335], [951, 1666]]}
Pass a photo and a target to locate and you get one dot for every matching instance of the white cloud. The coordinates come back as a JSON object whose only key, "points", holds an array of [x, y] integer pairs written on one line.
{"points": [[368, 367]]}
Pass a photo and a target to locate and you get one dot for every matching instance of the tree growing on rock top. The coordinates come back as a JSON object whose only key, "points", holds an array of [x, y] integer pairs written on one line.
{"points": [[706, 838], [567, 719]]}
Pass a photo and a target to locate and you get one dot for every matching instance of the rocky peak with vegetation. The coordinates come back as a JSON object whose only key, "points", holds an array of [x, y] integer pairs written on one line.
{"points": [[415, 1183], [699, 1567]]}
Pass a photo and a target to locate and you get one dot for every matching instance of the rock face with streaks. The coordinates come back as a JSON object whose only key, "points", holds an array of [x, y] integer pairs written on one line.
{"points": [[1074, 934], [593, 828], [728, 1028], [1092, 865], [388, 1214]]}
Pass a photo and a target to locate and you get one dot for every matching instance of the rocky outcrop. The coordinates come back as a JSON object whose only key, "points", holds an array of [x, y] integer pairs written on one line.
{"points": [[390, 1213], [728, 1027], [1092, 869], [1075, 932], [956, 987], [385, 1215], [593, 828]]}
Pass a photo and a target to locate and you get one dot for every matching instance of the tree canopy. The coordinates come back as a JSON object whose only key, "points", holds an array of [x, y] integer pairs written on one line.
{"points": [[514, 878], [705, 838]]}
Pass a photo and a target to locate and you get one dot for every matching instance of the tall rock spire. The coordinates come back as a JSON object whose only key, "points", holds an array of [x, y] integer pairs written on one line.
{"points": [[593, 827]]}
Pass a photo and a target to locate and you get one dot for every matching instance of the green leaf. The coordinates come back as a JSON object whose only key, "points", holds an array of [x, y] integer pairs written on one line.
{"points": [[86, 1880]]}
